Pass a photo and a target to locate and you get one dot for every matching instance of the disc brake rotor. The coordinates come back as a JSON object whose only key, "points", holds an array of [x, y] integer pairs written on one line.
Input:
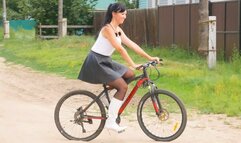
{"points": [[164, 115]]}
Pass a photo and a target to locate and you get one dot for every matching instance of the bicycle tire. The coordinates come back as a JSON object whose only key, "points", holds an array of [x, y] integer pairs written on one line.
{"points": [[172, 121], [81, 99]]}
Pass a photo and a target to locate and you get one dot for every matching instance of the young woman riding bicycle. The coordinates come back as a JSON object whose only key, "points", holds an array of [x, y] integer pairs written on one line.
{"points": [[99, 68]]}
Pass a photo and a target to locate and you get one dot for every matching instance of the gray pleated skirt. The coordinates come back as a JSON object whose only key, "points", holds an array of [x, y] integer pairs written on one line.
{"points": [[99, 69]]}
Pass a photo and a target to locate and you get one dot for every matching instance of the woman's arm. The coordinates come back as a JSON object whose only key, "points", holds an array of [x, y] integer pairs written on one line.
{"points": [[132, 45], [110, 35]]}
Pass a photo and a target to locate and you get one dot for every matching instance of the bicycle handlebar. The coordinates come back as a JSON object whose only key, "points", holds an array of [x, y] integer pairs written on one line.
{"points": [[152, 63], [146, 65]]}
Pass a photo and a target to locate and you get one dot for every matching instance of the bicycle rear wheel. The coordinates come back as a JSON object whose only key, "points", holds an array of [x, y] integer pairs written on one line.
{"points": [[76, 123], [171, 119]]}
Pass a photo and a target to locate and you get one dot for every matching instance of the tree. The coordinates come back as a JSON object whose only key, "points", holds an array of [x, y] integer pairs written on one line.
{"points": [[46, 11], [203, 27], [79, 11], [43, 11], [12, 10]]}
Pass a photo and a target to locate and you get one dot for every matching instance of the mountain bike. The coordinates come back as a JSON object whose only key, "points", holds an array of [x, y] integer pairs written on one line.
{"points": [[81, 115]]}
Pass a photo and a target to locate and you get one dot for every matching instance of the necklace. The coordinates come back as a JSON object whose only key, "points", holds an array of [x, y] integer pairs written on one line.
{"points": [[116, 32]]}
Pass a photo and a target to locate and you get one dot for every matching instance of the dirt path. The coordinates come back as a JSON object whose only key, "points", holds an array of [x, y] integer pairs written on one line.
{"points": [[28, 98]]}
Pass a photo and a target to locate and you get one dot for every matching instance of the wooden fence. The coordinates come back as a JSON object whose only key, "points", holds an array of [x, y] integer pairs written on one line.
{"points": [[166, 26], [40, 27]]}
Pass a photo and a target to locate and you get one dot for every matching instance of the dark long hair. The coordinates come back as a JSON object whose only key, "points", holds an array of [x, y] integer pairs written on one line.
{"points": [[115, 7]]}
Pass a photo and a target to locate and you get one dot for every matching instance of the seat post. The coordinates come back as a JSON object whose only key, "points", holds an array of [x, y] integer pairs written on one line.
{"points": [[106, 93]]}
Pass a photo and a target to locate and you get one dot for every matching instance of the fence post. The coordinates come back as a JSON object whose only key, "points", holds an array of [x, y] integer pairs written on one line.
{"points": [[62, 27], [6, 29], [40, 30], [212, 43]]}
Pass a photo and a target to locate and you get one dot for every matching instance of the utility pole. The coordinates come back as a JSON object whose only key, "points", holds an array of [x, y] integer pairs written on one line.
{"points": [[5, 22], [62, 22], [207, 34], [203, 27], [60, 17]]}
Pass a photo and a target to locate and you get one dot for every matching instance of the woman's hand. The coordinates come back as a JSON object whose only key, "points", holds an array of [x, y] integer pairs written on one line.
{"points": [[135, 67], [155, 59], [159, 61]]}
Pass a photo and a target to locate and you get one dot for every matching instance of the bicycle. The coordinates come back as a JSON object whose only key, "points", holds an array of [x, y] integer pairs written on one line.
{"points": [[81, 115]]}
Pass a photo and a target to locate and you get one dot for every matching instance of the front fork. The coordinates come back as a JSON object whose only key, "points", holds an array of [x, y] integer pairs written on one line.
{"points": [[154, 97]]}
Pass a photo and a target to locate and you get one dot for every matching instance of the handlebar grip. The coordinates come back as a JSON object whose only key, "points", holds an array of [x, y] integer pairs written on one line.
{"points": [[150, 63], [159, 62]]}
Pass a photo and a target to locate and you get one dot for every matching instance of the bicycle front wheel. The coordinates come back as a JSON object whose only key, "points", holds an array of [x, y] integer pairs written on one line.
{"points": [[80, 116], [162, 115]]}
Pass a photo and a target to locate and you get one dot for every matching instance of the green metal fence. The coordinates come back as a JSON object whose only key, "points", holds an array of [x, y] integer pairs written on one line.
{"points": [[22, 24]]}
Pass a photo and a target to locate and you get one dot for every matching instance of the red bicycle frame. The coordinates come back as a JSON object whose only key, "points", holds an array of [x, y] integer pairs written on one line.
{"points": [[142, 78], [128, 99]]}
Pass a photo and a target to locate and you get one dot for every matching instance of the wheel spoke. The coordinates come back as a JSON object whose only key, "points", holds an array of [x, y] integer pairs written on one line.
{"points": [[76, 124], [166, 125]]}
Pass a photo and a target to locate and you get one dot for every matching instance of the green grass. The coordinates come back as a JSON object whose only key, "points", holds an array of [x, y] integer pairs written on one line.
{"points": [[210, 91]]}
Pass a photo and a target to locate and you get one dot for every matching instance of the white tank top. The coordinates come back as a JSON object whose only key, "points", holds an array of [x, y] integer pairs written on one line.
{"points": [[103, 46]]}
